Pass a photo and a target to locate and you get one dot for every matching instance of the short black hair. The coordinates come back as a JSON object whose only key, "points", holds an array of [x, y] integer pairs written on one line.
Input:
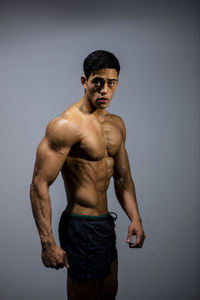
{"points": [[100, 59]]}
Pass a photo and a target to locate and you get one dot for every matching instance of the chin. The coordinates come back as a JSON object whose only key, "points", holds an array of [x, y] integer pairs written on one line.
{"points": [[102, 106]]}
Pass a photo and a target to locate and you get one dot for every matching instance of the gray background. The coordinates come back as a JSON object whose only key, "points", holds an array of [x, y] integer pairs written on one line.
{"points": [[42, 46]]}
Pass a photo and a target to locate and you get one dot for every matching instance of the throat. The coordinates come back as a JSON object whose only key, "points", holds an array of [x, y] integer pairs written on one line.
{"points": [[87, 108]]}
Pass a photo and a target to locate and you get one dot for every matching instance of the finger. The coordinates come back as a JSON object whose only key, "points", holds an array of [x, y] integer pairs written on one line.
{"points": [[52, 267], [66, 263], [132, 245], [47, 264], [129, 237], [139, 241], [59, 266], [142, 240]]}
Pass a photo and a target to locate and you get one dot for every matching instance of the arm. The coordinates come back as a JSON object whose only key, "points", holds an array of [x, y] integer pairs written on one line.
{"points": [[125, 192], [51, 154]]}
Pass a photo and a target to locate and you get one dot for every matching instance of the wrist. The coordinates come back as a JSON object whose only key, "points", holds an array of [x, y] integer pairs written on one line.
{"points": [[47, 240], [136, 219]]}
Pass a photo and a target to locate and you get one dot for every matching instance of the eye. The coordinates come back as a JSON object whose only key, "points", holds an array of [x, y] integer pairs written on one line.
{"points": [[97, 81], [111, 83]]}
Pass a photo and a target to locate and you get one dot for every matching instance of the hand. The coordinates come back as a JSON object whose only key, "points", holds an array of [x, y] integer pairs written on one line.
{"points": [[135, 228], [54, 257]]}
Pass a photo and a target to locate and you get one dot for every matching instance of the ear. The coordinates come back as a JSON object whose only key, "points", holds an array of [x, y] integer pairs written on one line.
{"points": [[84, 81]]}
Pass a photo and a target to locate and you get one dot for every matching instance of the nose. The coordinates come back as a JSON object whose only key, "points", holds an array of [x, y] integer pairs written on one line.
{"points": [[104, 89]]}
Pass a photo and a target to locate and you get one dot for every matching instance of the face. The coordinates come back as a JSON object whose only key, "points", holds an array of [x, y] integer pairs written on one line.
{"points": [[100, 87]]}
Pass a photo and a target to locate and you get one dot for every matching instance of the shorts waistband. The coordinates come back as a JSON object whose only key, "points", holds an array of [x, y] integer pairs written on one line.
{"points": [[88, 217]]}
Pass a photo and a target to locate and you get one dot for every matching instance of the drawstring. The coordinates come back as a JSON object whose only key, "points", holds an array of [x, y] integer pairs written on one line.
{"points": [[115, 215]]}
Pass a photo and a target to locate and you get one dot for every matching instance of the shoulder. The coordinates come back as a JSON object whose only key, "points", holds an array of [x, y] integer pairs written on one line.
{"points": [[63, 130], [119, 123], [118, 119]]}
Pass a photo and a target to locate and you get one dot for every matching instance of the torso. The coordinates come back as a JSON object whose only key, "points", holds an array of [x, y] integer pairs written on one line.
{"points": [[89, 165]]}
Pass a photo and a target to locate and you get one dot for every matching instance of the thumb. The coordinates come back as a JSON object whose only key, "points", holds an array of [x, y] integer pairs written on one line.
{"points": [[129, 237], [66, 260]]}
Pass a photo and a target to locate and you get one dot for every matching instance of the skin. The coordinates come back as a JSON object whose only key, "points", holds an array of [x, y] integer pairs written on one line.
{"points": [[87, 144]]}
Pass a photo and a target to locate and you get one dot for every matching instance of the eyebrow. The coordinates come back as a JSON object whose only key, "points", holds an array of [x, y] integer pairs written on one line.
{"points": [[113, 79], [101, 78]]}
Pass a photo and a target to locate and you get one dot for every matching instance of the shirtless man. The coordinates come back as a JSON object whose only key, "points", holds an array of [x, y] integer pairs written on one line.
{"points": [[87, 144]]}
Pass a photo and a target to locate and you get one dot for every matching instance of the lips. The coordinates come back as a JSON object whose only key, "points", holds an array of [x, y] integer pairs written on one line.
{"points": [[102, 100]]}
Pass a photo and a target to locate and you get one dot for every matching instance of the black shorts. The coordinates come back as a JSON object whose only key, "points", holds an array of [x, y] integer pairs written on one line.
{"points": [[90, 244]]}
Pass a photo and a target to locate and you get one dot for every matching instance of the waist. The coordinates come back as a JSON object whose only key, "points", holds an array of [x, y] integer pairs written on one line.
{"points": [[91, 218]]}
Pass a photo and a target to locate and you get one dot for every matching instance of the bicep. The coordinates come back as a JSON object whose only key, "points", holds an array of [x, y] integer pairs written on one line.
{"points": [[121, 163], [49, 162]]}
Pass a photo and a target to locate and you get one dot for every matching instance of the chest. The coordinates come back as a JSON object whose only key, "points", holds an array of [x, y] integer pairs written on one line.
{"points": [[100, 139]]}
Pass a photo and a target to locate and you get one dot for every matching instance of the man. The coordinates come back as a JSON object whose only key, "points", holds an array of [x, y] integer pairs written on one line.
{"points": [[87, 144]]}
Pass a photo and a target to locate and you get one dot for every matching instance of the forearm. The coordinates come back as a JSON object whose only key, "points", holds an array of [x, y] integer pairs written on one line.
{"points": [[41, 207], [126, 195]]}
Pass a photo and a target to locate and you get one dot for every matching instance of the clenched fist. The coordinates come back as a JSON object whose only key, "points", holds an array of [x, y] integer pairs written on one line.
{"points": [[54, 257]]}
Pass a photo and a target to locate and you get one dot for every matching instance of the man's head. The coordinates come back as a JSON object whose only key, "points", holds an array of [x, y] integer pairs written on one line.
{"points": [[100, 59], [101, 70]]}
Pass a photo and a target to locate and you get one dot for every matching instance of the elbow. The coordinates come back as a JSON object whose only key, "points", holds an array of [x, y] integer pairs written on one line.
{"points": [[37, 185], [33, 189], [38, 190], [34, 185]]}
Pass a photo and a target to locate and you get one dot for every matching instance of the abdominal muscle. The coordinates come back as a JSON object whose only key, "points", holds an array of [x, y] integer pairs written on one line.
{"points": [[86, 184]]}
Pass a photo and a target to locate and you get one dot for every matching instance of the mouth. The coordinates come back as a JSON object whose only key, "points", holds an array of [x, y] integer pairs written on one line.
{"points": [[102, 100]]}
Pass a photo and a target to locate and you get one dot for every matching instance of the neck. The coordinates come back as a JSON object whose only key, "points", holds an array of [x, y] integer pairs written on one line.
{"points": [[88, 108]]}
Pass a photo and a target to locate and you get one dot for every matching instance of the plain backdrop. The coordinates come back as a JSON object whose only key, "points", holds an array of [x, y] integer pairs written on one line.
{"points": [[42, 47]]}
